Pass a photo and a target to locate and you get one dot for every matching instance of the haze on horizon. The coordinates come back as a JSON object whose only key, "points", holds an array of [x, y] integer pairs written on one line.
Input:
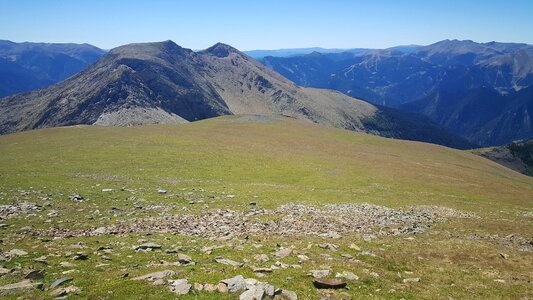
{"points": [[249, 25]]}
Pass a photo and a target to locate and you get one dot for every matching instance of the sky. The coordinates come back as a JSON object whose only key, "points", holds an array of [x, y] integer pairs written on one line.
{"points": [[275, 24]]}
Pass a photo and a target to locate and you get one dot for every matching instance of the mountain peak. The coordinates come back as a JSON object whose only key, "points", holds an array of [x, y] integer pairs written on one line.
{"points": [[221, 50], [150, 49]]}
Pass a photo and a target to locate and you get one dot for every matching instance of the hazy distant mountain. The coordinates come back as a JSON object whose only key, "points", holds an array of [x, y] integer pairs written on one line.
{"points": [[164, 83], [259, 54], [28, 66], [482, 115], [393, 78]]}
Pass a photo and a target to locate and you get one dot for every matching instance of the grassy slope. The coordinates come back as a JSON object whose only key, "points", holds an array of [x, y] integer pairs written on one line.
{"points": [[273, 163]]}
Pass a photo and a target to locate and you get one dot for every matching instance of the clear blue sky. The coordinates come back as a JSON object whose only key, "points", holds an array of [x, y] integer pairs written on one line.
{"points": [[271, 24]]}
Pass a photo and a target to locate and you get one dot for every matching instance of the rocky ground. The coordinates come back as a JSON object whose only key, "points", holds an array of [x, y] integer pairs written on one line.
{"points": [[320, 243]]}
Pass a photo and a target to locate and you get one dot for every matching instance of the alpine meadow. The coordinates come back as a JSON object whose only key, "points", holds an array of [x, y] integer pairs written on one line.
{"points": [[266, 150]]}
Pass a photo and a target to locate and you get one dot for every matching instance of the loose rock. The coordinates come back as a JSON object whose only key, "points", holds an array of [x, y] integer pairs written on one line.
{"points": [[180, 286], [322, 283], [147, 246], [229, 262], [35, 275], [156, 275], [65, 291], [60, 281], [319, 273], [19, 287], [234, 284]]}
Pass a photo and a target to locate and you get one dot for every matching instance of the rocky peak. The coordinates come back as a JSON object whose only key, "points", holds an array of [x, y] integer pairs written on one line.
{"points": [[221, 50]]}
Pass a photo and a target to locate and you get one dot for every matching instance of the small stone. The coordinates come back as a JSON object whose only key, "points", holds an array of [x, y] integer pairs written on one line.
{"points": [[35, 275], [302, 258], [328, 246], [334, 235], [209, 287], [99, 230], [254, 293], [184, 259], [22, 286], [229, 262], [4, 271], [286, 295], [124, 275], [156, 275], [235, 284], [283, 252], [66, 264], [41, 260], [3, 225], [261, 257], [198, 286], [146, 246], [107, 190], [347, 256], [77, 198], [26, 229], [161, 191], [222, 288], [159, 282], [355, 247], [16, 252], [504, 256], [411, 280], [252, 203], [347, 275], [368, 253], [319, 273], [262, 270], [322, 283], [60, 281], [64, 291], [80, 256]]}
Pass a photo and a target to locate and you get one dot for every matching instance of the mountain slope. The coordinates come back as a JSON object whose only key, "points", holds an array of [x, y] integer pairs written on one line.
{"points": [[517, 156], [164, 83], [28, 66], [481, 115], [243, 186], [450, 67]]}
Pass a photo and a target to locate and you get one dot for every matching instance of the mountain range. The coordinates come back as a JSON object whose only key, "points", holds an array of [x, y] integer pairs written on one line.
{"points": [[28, 66], [476, 90], [165, 83]]}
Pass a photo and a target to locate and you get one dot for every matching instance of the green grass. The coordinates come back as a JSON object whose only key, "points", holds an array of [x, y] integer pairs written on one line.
{"points": [[271, 164]]}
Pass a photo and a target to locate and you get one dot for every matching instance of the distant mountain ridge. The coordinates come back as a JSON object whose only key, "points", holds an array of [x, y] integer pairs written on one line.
{"points": [[397, 78], [260, 54], [28, 66], [165, 83]]}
